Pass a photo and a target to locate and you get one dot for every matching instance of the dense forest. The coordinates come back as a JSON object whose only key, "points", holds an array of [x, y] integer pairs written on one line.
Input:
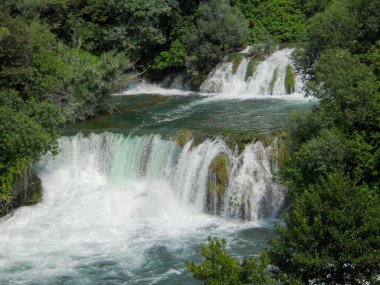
{"points": [[60, 59]]}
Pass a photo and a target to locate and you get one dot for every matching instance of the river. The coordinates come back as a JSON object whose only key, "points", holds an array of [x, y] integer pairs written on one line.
{"points": [[126, 203]]}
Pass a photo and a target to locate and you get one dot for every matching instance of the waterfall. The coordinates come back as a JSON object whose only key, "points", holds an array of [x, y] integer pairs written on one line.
{"points": [[268, 77], [114, 162]]}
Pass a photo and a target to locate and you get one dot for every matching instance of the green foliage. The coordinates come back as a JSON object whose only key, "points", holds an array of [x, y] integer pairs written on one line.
{"points": [[331, 236], [311, 7], [219, 174], [290, 80], [27, 130], [351, 25], [219, 267], [220, 29], [318, 156], [348, 86], [336, 27], [300, 127], [15, 49], [92, 78], [4, 32], [37, 65], [281, 19], [50, 69], [175, 57], [372, 58], [342, 133], [136, 26]]}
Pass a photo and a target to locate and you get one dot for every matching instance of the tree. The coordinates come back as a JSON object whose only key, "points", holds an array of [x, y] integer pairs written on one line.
{"points": [[342, 132], [134, 27], [91, 79], [331, 236], [221, 268], [15, 50], [348, 86], [220, 29], [317, 157], [344, 24]]}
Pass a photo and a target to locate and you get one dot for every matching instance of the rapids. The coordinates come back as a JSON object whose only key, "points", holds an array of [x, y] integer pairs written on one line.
{"points": [[125, 203]]}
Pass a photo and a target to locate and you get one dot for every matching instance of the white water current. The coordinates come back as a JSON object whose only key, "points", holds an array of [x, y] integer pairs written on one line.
{"points": [[223, 80], [223, 84], [110, 198]]}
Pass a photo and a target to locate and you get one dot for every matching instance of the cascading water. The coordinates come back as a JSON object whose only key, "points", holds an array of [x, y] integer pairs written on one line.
{"points": [[132, 209], [113, 161], [268, 78]]}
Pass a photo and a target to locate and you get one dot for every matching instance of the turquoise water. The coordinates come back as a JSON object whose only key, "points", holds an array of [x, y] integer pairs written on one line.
{"points": [[144, 114]]}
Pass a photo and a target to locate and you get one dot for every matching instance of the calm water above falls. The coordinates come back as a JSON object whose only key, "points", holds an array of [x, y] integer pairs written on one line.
{"points": [[163, 114], [124, 204]]}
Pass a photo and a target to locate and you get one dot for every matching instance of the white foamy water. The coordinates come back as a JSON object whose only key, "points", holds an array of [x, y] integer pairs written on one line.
{"points": [[223, 84], [223, 80], [109, 200], [145, 87]]}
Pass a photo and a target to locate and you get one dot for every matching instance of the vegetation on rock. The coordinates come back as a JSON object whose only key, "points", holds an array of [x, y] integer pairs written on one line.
{"points": [[273, 81], [290, 80], [236, 59], [218, 173], [251, 68], [183, 137]]}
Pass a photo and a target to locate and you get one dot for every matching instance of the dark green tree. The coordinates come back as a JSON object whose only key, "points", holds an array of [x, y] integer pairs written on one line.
{"points": [[342, 133], [220, 29], [331, 236]]}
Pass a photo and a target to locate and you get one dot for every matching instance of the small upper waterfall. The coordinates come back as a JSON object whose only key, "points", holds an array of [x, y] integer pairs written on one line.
{"points": [[269, 77], [114, 161]]}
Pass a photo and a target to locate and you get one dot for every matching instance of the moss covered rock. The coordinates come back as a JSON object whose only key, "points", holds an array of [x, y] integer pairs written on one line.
{"points": [[218, 181], [290, 80], [183, 137], [239, 139], [273, 81], [236, 59], [251, 68]]}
